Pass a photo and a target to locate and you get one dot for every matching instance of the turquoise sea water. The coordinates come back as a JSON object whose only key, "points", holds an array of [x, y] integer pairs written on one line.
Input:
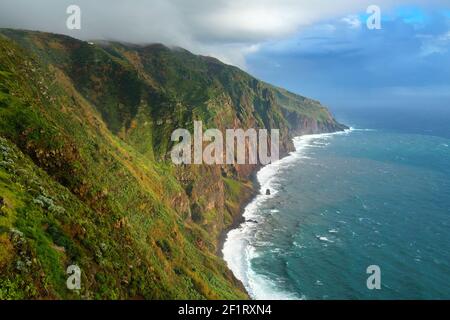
{"points": [[341, 203]]}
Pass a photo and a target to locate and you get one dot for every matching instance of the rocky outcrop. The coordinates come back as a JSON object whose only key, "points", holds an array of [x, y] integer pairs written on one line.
{"points": [[302, 125]]}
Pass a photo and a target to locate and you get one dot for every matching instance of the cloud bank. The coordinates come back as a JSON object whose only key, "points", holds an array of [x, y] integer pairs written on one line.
{"points": [[226, 29]]}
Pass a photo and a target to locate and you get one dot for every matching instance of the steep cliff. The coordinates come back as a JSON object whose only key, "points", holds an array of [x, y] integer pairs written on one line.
{"points": [[85, 170]]}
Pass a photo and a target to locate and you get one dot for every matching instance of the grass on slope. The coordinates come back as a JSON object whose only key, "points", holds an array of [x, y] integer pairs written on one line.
{"points": [[72, 192]]}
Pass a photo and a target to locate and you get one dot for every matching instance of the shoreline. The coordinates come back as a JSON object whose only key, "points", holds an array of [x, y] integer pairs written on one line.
{"points": [[240, 219]]}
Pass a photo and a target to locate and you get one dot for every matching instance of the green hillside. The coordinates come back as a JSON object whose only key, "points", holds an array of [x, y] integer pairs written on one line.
{"points": [[85, 170]]}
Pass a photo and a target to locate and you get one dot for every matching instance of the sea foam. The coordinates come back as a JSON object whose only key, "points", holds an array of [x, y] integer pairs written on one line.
{"points": [[239, 248]]}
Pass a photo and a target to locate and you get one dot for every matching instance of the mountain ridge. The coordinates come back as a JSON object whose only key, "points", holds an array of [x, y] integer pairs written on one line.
{"points": [[85, 171]]}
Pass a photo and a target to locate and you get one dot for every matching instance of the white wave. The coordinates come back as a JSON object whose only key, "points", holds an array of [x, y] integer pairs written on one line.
{"points": [[325, 239], [356, 129], [300, 246], [238, 250]]}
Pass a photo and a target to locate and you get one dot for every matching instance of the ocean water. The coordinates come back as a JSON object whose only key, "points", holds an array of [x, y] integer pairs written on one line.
{"points": [[342, 202]]}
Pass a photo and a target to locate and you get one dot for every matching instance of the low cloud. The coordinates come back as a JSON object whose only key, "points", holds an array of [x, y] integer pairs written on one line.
{"points": [[227, 29]]}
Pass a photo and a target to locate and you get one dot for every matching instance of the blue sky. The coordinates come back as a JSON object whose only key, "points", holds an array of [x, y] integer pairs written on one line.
{"points": [[321, 48], [345, 65]]}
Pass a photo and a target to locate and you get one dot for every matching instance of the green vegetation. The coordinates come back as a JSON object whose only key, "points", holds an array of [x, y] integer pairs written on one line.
{"points": [[85, 175]]}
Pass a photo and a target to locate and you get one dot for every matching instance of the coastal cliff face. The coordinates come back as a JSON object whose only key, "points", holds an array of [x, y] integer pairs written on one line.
{"points": [[85, 170]]}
